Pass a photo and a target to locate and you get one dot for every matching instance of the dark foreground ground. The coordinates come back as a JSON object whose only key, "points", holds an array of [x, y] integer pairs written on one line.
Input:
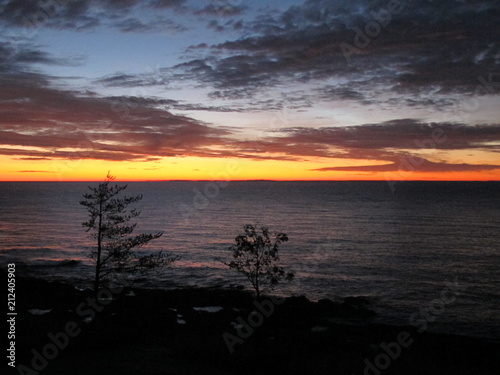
{"points": [[138, 332]]}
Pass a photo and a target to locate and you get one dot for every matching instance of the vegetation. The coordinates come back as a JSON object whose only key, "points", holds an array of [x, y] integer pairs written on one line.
{"points": [[109, 222], [255, 255]]}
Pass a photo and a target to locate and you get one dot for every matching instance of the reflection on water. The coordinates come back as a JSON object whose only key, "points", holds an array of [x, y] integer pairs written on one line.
{"points": [[346, 238]]}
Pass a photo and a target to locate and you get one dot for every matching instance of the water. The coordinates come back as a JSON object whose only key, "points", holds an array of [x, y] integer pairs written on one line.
{"points": [[346, 239]]}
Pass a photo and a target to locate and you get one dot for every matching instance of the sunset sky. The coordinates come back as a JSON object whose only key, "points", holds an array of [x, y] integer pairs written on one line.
{"points": [[285, 90]]}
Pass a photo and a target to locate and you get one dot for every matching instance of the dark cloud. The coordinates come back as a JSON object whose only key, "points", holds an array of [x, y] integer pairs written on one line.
{"points": [[159, 81], [406, 134], [424, 56], [427, 48], [122, 80], [154, 78], [414, 164], [120, 4], [19, 56], [214, 24], [35, 13], [393, 143], [221, 9], [159, 24], [329, 92], [133, 25], [76, 8], [16, 12], [162, 4], [38, 121], [86, 14]]}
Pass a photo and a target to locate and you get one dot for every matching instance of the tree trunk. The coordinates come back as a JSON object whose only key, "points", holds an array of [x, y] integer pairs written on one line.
{"points": [[97, 280]]}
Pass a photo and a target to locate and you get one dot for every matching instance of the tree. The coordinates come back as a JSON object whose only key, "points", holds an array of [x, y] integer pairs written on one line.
{"points": [[109, 222], [255, 255]]}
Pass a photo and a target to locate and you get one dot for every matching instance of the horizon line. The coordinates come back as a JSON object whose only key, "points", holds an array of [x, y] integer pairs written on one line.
{"points": [[253, 180]]}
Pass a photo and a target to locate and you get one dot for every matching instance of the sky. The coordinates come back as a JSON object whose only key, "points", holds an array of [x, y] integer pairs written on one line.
{"points": [[232, 89]]}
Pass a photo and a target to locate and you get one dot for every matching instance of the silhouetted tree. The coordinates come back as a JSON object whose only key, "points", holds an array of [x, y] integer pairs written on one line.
{"points": [[109, 219], [255, 255]]}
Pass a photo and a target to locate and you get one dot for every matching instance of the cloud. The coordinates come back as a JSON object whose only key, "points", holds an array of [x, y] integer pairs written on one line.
{"points": [[390, 144], [39, 121], [428, 55], [158, 24], [414, 164], [33, 13], [329, 92], [221, 9], [120, 4], [425, 56], [82, 15], [406, 134], [429, 49], [21, 55], [163, 4]]}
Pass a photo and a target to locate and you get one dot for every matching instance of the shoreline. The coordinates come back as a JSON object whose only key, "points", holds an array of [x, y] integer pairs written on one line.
{"points": [[218, 331], [387, 313]]}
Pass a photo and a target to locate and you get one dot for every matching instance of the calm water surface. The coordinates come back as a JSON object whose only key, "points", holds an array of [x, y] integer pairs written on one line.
{"points": [[346, 239]]}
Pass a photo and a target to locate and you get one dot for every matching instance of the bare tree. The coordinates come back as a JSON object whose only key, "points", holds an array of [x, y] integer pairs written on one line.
{"points": [[255, 255], [109, 222]]}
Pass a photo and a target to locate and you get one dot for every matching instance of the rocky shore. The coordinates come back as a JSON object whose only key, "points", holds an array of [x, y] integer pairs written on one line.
{"points": [[62, 330]]}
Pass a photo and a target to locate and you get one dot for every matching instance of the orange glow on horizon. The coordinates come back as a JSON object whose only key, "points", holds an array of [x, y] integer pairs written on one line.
{"points": [[195, 168]]}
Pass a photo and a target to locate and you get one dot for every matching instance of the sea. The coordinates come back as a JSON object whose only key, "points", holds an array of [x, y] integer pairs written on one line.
{"points": [[416, 250]]}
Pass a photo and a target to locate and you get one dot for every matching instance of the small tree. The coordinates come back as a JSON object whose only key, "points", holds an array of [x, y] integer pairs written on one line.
{"points": [[255, 255], [109, 219]]}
